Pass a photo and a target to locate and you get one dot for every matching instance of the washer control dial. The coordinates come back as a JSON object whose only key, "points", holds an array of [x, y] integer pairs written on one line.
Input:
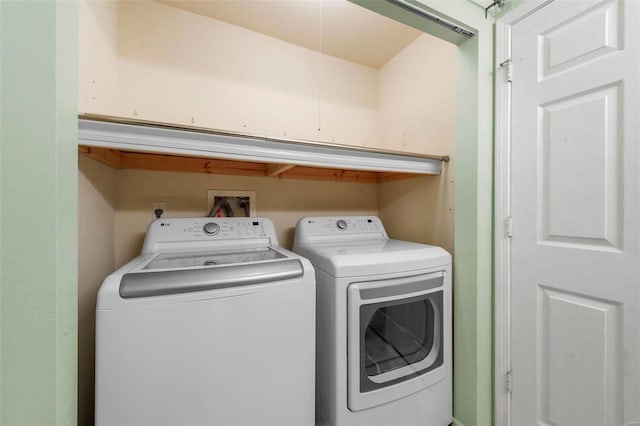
{"points": [[211, 228], [342, 225]]}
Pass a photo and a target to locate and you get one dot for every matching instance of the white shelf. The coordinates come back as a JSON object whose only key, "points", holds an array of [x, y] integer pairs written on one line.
{"points": [[111, 137]]}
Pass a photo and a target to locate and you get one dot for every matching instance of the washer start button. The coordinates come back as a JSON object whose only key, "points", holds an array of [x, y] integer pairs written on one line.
{"points": [[211, 228]]}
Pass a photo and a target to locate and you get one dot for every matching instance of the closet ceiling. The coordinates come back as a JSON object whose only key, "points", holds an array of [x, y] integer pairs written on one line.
{"points": [[334, 27]]}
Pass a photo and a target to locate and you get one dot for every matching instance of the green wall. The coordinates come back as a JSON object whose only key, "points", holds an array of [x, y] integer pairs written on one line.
{"points": [[38, 208]]}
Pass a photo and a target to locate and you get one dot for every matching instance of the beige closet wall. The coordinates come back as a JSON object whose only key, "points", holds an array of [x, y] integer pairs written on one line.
{"points": [[416, 98], [417, 114], [179, 67], [408, 213], [284, 201], [98, 58], [151, 61]]}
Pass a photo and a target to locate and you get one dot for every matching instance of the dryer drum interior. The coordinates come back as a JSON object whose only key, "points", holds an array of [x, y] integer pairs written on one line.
{"points": [[401, 334]]}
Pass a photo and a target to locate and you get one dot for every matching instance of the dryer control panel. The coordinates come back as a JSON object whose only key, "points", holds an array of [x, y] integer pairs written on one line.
{"points": [[331, 227]]}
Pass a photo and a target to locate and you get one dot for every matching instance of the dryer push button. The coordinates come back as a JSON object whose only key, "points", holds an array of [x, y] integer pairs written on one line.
{"points": [[342, 225]]}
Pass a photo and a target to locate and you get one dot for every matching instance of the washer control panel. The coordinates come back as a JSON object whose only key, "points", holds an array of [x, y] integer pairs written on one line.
{"points": [[208, 229], [227, 228]]}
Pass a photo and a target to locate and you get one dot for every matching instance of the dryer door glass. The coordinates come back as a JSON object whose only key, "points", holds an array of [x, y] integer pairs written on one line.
{"points": [[398, 336], [400, 339]]}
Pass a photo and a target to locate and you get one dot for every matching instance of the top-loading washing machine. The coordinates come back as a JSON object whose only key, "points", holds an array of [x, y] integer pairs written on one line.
{"points": [[213, 324], [383, 324]]}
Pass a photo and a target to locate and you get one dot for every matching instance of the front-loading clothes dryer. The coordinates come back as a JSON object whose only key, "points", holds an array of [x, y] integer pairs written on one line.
{"points": [[213, 324], [383, 324]]}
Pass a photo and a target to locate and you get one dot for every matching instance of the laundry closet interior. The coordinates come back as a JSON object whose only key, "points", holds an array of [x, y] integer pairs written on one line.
{"points": [[331, 73]]}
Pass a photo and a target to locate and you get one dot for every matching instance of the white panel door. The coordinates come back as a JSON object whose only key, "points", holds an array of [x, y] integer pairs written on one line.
{"points": [[575, 264]]}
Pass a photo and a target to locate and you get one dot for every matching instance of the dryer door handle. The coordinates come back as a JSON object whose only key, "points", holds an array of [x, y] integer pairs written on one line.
{"points": [[396, 289]]}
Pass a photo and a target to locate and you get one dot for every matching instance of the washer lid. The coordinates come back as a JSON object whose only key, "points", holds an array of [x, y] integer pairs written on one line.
{"points": [[168, 282], [372, 257], [211, 258]]}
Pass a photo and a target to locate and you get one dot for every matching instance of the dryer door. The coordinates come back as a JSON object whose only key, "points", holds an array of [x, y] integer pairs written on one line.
{"points": [[395, 338]]}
